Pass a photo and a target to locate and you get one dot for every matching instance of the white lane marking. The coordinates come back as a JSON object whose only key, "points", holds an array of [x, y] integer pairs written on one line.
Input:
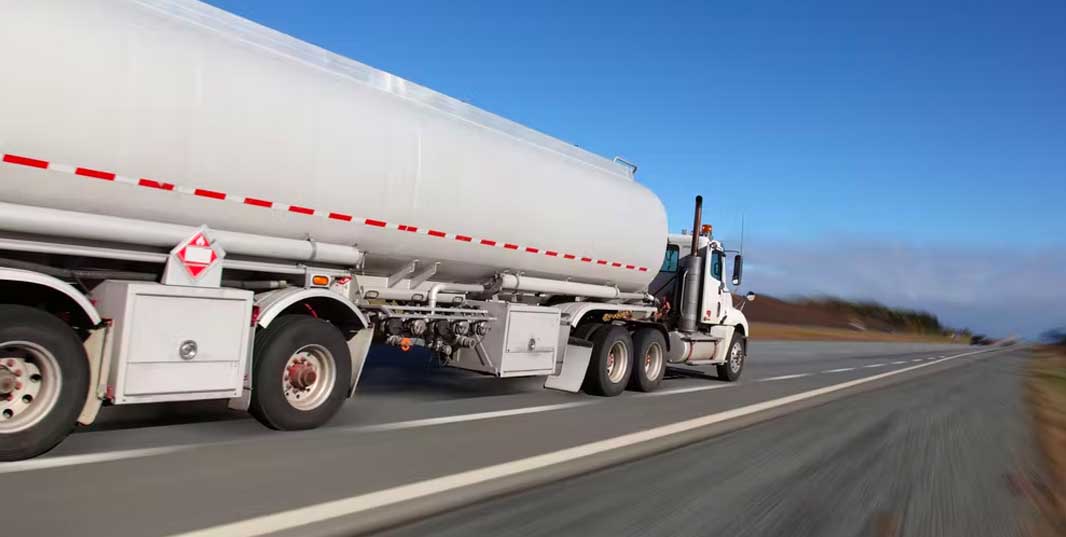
{"points": [[88, 458], [841, 370], [899, 362], [427, 422], [785, 377], [871, 366], [687, 390], [917, 360], [311, 514]]}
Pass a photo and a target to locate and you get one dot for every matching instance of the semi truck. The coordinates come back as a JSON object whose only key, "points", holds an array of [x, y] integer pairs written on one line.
{"points": [[194, 206]]}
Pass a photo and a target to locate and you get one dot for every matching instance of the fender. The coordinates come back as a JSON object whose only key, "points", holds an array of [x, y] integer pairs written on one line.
{"points": [[273, 303], [577, 310], [44, 280]]}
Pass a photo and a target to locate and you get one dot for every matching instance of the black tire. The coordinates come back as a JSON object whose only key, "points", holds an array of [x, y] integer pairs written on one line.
{"points": [[25, 324], [274, 346], [649, 360], [599, 379], [585, 331], [730, 370]]}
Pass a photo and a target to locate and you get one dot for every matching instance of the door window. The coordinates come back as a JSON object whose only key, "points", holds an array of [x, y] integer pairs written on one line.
{"points": [[717, 260]]}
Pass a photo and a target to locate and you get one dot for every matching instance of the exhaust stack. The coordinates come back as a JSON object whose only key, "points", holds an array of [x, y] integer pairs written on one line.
{"points": [[692, 277]]}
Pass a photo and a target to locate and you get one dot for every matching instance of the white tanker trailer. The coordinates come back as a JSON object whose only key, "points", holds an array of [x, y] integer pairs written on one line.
{"points": [[193, 206]]}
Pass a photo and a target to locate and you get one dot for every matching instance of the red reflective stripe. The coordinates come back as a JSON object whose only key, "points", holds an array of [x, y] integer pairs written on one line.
{"points": [[149, 183], [95, 174], [258, 202], [210, 194], [203, 192], [25, 161]]}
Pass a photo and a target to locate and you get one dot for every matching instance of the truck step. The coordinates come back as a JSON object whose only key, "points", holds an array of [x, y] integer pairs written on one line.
{"points": [[704, 362]]}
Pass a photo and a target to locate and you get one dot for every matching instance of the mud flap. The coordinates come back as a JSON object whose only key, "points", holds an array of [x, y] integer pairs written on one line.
{"points": [[571, 375]]}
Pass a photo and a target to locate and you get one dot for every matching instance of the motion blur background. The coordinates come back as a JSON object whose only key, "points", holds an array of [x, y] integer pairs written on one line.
{"points": [[907, 153]]}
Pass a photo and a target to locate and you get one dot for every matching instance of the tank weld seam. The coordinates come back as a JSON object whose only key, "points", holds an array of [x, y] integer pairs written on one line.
{"points": [[92, 173]]}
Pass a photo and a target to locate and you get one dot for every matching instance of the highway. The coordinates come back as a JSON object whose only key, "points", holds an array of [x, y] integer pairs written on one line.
{"points": [[816, 439]]}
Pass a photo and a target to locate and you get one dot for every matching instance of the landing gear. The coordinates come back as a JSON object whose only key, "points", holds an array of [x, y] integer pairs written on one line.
{"points": [[300, 373], [44, 379]]}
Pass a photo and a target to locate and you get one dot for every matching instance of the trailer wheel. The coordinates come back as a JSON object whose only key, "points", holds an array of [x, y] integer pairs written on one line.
{"points": [[300, 371], [44, 378], [649, 360], [734, 363], [609, 368]]}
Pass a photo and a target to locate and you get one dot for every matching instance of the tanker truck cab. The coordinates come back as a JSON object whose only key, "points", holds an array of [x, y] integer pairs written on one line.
{"points": [[705, 328]]}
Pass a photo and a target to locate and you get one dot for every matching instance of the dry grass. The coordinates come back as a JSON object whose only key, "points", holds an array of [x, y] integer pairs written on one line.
{"points": [[793, 332], [1046, 397]]}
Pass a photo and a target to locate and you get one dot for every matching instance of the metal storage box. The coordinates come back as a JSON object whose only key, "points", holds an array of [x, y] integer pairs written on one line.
{"points": [[524, 341], [173, 343]]}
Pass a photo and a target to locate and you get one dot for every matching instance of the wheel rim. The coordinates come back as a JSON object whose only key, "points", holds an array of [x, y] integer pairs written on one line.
{"points": [[736, 357], [617, 362], [653, 361], [309, 377], [30, 384]]}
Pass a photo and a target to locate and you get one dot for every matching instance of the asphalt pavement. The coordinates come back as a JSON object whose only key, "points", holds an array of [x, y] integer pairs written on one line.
{"points": [[931, 444]]}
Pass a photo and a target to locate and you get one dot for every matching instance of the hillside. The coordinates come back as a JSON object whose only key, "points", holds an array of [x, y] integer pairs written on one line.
{"points": [[836, 319]]}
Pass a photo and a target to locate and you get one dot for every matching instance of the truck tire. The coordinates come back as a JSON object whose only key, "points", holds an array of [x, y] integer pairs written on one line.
{"points": [[586, 330], [734, 359], [301, 369], [649, 360], [610, 365], [44, 379]]}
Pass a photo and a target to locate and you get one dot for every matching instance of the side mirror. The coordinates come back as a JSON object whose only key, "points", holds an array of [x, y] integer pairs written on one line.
{"points": [[750, 297], [738, 269]]}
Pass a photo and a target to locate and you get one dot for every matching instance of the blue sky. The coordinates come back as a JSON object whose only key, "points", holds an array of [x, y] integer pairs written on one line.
{"points": [[931, 131]]}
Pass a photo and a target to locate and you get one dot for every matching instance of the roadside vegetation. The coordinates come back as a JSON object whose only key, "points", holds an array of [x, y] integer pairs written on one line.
{"points": [[1046, 397], [830, 318]]}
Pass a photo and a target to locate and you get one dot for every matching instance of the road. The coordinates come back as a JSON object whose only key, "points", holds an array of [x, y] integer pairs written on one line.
{"points": [[931, 445]]}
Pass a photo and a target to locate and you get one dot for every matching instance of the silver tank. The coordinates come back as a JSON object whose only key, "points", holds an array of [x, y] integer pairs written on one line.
{"points": [[177, 92]]}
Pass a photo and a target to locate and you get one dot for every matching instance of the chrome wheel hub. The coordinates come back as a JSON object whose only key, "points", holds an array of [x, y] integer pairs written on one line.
{"points": [[309, 377], [653, 361], [736, 357], [617, 362], [29, 385]]}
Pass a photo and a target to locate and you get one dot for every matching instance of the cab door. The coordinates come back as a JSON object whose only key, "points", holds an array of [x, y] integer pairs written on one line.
{"points": [[714, 291]]}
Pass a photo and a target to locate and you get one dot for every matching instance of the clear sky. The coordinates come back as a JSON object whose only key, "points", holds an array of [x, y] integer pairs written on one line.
{"points": [[929, 141]]}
